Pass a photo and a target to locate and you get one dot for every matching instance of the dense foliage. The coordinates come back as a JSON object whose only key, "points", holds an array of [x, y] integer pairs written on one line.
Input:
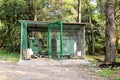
{"points": [[51, 10]]}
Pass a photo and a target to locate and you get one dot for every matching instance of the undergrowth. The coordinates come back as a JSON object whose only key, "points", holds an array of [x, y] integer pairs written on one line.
{"points": [[9, 56]]}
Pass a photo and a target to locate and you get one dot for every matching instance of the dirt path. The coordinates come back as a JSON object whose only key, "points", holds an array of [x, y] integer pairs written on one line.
{"points": [[11, 71]]}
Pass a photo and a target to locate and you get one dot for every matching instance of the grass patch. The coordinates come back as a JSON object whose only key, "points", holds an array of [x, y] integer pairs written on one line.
{"points": [[9, 56], [117, 59], [117, 79], [91, 57], [107, 72]]}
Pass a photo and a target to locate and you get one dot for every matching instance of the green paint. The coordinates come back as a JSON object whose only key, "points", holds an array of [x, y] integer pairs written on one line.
{"points": [[49, 41], [61, 40]]}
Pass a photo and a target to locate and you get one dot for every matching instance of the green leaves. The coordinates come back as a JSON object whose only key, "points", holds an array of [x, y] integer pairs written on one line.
{"points": [[107, 72]]}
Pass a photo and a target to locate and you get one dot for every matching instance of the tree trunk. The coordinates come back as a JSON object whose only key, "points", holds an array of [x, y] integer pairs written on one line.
{"points": [[79, 11], [1, 45], [92, 51], [110, 55], [91, 48], [35, 16]]}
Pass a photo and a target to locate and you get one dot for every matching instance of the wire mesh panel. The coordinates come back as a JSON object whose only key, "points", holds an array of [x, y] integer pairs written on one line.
{"points": [[66, 41], [55, 46], [81, 42], [74, 37]]}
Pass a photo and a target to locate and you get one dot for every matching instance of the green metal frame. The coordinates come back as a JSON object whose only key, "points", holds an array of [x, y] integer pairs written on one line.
{"points": [[24, 42], [53, 25]]}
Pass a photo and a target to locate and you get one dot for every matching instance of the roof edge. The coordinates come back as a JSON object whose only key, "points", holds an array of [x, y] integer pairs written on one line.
{"points": [[41, 22]]}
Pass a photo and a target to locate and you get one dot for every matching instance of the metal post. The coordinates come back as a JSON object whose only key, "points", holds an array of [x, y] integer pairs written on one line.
{"points": [[84, 43], [49, 41], [24, 41], [61, 40], [26, 38], [21, 50]]}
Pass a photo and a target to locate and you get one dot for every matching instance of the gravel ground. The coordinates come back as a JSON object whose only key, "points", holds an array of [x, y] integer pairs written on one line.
{"points": [[44, 69]]}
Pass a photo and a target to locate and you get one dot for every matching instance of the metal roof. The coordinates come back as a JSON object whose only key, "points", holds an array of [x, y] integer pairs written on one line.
{"points": [[43, 26]]}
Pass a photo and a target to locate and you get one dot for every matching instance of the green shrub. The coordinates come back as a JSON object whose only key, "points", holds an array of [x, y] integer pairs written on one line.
{"points": [[9, 56]]}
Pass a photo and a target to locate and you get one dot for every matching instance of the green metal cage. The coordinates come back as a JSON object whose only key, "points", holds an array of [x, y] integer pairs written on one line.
{"points": [[61, 38]]}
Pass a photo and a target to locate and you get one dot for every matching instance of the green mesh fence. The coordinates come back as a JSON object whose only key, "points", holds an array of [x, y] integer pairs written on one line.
{"points": [[62, 38]]}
